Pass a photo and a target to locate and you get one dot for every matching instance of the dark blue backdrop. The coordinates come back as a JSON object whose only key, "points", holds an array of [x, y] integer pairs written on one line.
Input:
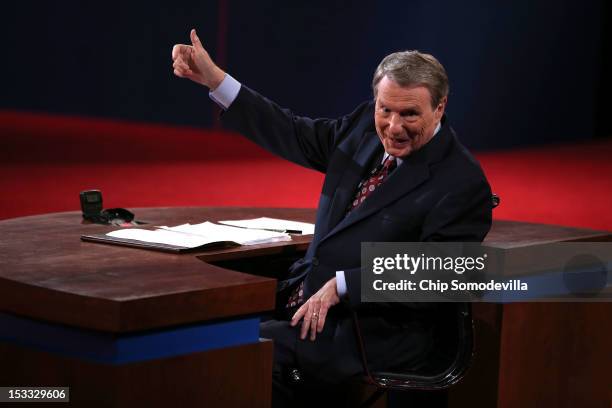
{"points": [[521, 72]]}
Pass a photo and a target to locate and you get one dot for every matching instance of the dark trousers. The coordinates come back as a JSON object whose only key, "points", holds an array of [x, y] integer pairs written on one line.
{"points": [[328, 367]]}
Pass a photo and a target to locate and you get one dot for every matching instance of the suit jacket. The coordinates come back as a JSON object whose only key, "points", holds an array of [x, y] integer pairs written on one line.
{"points": [[438, 193]]}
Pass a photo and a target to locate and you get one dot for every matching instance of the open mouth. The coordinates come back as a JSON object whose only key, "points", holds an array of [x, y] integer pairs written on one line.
{"points": [[400, 142]]}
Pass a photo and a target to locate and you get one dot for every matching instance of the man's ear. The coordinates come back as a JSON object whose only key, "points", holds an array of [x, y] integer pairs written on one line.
{"points": [[440, 108]]}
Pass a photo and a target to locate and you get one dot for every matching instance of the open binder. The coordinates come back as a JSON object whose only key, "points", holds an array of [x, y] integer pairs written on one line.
{"points": [[187, 237]]}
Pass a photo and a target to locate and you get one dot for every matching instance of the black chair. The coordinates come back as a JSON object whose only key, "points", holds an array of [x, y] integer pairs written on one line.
{"points": [[454, 345], [453, 338]]}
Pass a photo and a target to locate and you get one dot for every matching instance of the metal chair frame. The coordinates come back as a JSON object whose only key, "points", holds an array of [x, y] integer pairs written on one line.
{"points": [[442, 379]]}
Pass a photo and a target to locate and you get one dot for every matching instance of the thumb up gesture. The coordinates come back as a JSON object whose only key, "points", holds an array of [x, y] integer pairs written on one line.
{"points": [[193, 62]]}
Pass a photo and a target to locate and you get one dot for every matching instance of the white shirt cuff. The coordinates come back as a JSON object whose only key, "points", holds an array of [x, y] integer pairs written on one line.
{"points": [[341, 284], [226, 92]]}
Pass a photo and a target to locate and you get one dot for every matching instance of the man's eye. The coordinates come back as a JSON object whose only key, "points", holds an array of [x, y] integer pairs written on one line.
{"points": [[409, 113]]}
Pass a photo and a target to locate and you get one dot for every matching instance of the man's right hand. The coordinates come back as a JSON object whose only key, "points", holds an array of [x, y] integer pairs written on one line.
{"points": [[193, 62]]}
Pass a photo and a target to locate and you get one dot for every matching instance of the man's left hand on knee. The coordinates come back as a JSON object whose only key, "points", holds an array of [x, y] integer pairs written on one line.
{"points": [[314, 311]]}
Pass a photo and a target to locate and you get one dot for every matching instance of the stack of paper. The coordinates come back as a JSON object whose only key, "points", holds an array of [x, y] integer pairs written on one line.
{"points": [[197, 235], [226, 233]]}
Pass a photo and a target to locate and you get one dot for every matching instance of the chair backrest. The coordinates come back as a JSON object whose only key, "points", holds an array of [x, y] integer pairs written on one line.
{"points": [[453, 351], [495, 200]]}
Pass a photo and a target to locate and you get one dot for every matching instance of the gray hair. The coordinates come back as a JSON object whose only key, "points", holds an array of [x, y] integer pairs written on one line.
{"points": [[408, 68]]}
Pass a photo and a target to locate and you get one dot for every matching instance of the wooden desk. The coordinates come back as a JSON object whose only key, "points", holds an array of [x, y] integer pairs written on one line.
{"points": [[117, 324], [110, 297], [539, 354]]}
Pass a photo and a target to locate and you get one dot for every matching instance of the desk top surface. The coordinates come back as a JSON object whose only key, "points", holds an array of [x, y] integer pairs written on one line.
{"points": [[48, 273]]}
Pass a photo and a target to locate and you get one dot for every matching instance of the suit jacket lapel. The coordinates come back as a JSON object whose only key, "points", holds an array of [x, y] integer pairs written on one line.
{"points": [[368, 151], [403, 180]]}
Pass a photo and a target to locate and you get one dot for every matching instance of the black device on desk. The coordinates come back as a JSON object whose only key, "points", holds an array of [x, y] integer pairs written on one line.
{"points": [[91, 206], [91, 203]]}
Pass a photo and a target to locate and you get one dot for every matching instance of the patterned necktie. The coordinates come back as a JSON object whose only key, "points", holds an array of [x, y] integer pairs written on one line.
{"points": [[297, 296], [365, 188], [375, 179]]}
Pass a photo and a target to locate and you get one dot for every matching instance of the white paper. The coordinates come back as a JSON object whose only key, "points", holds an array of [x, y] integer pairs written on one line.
{"points": [[193, 236], [161, 236], [273, 224], [241, 236]]}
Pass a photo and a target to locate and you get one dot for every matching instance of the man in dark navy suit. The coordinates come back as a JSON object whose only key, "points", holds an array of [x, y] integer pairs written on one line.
{"points": [[395, 171]]}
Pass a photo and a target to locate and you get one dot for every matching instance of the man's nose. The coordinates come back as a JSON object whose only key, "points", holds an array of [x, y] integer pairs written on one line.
{"points": [[395, 124]]}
